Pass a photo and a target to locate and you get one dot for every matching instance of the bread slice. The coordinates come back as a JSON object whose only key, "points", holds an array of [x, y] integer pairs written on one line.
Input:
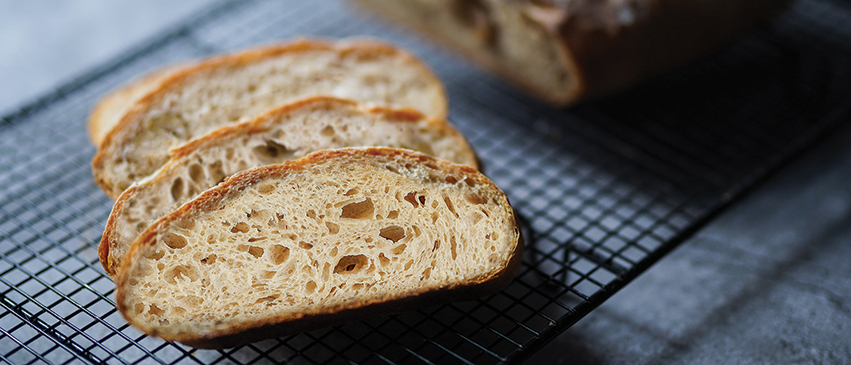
{"points": [[239, 87], [567, 50], [109, 110], [332, 237], [287, 133]]}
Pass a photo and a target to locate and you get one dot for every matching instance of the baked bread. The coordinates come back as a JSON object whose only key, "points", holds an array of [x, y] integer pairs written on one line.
{"points": [[287, 133], [239, 87], [332, 237], [109, 110], [565, 50]]}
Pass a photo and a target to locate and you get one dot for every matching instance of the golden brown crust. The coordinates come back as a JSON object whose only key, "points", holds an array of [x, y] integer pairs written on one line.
{"points": [[364, 47], [316, 318], [259, 125]]}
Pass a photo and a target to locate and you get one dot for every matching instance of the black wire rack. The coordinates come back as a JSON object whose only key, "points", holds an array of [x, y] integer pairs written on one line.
{"points": [[604, 189]]}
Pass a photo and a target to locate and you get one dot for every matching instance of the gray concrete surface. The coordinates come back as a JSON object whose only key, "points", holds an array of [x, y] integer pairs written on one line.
{"points": [[768, 282]]}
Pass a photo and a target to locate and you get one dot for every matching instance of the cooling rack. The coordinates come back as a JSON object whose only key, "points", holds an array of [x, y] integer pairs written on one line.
{"points": [[604, 189]]}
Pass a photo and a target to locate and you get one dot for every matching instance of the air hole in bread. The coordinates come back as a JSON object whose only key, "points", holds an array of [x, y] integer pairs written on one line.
{"points": [[177, 189], [255, 251], [139, 308], [398, 250], [454, 247], [155, 255], [421, 199], [333, 228], [181, 272], [240, 227], [334, 251], [185, 223], [217, 173], [408, 265], [393, 233], [279, 254], [351, 192], [451, 179], [470, 182], [160, 266], [417, 231], [311, 214], [328, 131], [383, 260], [272, 151], [266, 188], [434, 217], [174, 241], [476, 199], [310, 287], [196, 173], [473, 217], [436, 245], [209, 260], [359, 210], [305, 245], [412, 198], [268, 299], [255, 239], [393, 214], [449, 205], [426, 273], [154, 310], [351, 264]]}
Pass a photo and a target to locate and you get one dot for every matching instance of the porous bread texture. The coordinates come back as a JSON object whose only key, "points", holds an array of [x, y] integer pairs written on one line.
{"points": [[109, 110], [320, 240], [286, 133], [237, 88]]}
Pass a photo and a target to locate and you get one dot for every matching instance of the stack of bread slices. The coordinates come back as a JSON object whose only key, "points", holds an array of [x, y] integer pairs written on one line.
{"points": [[292, 187]]}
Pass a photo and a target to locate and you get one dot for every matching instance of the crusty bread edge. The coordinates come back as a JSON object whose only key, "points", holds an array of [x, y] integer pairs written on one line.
{"points": [[279, 326], [258, 125], [98, 126], [180, 77]]}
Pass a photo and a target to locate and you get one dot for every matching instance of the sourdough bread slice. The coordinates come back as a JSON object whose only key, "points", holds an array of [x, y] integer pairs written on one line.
{"points": [[239, 87], [287, 133], [112, 107], [332, 237]]}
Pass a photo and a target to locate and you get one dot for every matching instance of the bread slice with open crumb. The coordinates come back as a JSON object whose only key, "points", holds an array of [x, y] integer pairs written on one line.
{"points": [[112, 107], [287, 133], [332, 237], [239, 87]]}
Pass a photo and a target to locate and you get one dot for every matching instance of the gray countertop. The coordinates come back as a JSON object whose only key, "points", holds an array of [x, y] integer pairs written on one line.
{"points": [[767, 282]]}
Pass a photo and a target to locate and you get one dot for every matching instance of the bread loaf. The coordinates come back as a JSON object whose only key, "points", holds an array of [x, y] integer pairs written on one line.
{"points": [[566, 50], [287, 133], [235, 88], [332, 237]]}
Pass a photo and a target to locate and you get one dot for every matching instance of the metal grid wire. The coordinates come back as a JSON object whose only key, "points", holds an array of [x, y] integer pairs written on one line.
{"points": [[604, 189]]}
